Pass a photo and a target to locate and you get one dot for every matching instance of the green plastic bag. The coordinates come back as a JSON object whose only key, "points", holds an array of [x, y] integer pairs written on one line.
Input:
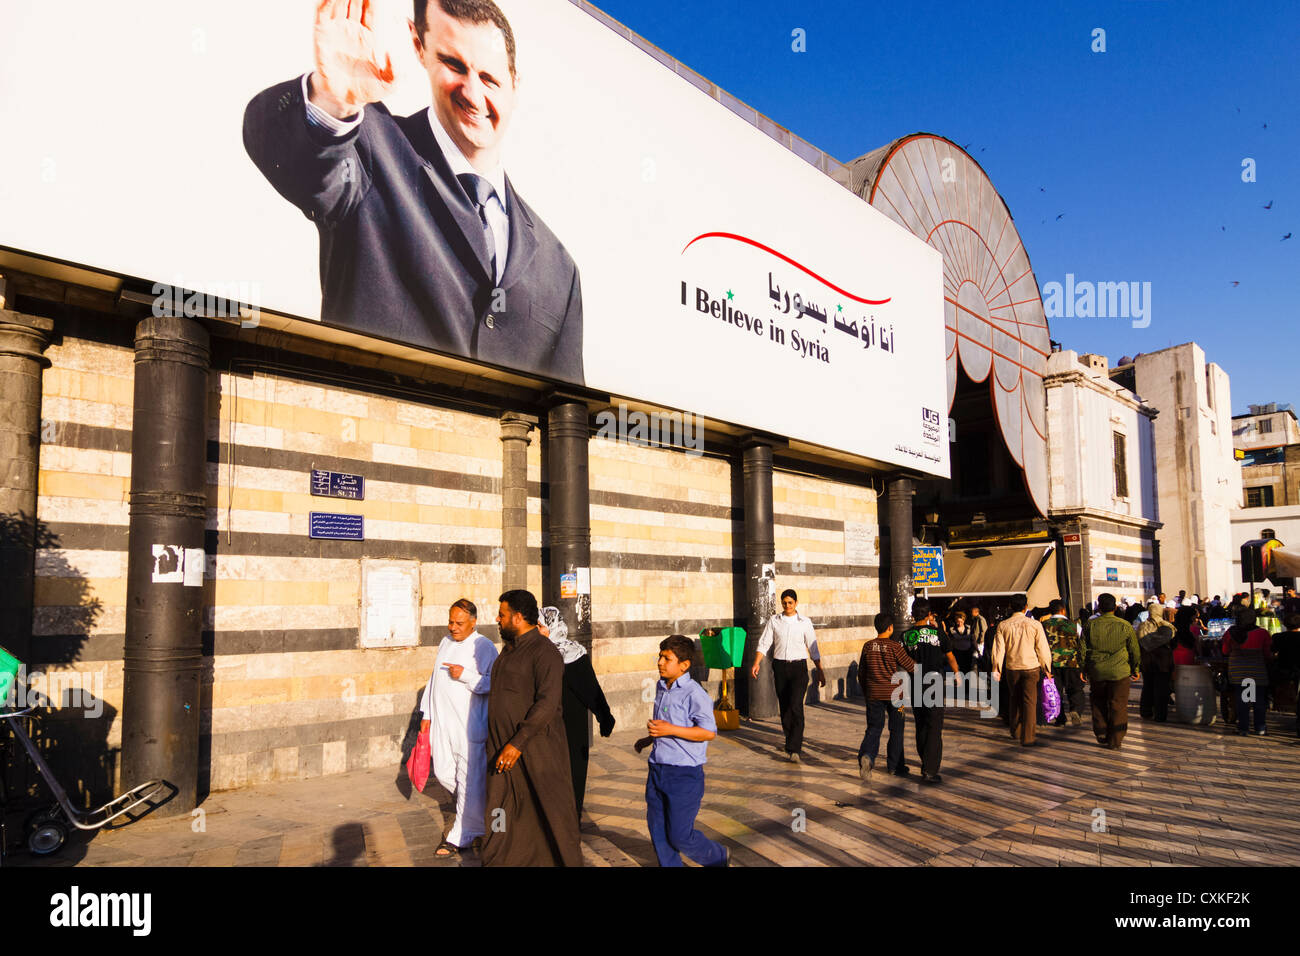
{"points": [[723, 647], [9, 666]]}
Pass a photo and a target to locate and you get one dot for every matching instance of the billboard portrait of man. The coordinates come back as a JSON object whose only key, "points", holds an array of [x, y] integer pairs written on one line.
{"points": [[423, 239]]}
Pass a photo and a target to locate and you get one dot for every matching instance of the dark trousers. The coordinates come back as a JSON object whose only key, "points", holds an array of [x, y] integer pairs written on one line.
{"points": [[1155, 696], [791, 679], [1259, 707], [672, 800], [929, 738], [1022, 694], [880, 712], [1110, 710], [1069, 686]]}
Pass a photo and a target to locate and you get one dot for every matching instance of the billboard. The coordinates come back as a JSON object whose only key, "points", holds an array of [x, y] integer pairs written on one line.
{"points": [[533, 192]]}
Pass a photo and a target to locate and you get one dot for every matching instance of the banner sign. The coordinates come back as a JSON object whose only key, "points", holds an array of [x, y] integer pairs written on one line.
{"points": [[479, 195]]}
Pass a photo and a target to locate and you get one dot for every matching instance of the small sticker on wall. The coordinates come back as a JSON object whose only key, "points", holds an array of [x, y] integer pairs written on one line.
{"points": [[168, 564], [195, 561], [568, 585], [584, 580]]}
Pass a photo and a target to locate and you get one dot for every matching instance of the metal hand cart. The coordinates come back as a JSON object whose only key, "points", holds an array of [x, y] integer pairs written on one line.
{"points": [[46, 829]]}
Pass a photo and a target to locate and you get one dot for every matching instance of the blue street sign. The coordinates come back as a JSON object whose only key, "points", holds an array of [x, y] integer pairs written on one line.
{"points": [[334, 484], [927, 567], [336, 527]]}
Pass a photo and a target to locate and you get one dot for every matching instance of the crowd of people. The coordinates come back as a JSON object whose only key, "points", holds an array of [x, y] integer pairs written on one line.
{"points": [[1041, 660], [507, 730]]}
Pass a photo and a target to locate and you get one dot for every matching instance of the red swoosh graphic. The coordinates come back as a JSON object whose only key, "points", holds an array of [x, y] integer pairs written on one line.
{"points": [[784, 258]]}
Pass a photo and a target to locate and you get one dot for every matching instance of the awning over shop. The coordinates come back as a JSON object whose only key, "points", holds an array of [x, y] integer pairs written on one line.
{"points": [[1009, 569]]}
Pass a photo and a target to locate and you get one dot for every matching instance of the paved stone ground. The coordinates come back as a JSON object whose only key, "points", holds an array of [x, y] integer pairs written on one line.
{"points": [[1175, 795]]}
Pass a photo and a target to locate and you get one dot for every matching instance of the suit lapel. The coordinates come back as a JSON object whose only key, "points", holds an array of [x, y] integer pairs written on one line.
{"points": [[523, 239], [447, 191]]}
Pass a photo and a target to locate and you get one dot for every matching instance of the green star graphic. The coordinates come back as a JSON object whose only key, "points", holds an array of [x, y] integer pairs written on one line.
{"points": [[839, 308], [730, 294]]}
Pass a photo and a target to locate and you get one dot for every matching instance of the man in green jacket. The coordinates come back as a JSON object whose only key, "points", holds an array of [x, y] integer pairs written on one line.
{"points": [[1112, 659]]}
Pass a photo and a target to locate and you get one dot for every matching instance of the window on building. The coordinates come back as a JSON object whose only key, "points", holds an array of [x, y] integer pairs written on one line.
{"points": [[1265, 425], [1261, 497], [1121, 466]]}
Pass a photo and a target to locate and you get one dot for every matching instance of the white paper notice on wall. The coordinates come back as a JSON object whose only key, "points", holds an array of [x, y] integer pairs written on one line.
{"points": [[584, 580], [390, 613], [168, 564], [195, 562], [860, 546]]}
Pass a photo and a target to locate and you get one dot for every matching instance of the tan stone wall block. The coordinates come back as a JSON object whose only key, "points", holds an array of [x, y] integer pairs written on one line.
{"points": [[78, 592], [335, 757]]}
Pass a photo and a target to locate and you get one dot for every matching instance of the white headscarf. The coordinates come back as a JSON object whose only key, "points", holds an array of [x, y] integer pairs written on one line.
{"points": [[558, 632]]}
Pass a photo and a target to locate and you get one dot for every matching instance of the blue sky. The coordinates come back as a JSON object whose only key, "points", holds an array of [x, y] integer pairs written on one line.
{"points": [[1140, 147]]}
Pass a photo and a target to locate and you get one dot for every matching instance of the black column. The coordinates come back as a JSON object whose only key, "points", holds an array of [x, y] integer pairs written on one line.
{"points": [[760, 573], [900, 551], [569, 526], [164, 593], [516, 431], [23, 339]]}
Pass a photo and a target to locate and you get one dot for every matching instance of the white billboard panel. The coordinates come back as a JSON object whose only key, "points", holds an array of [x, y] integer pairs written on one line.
{"points": [[650, 243]]}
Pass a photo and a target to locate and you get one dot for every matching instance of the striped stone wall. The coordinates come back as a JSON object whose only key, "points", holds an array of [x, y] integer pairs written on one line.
{"points": [[662, 533], [840, 599], [288, 690], [293, 692], [1130, 552], [80, 596]]}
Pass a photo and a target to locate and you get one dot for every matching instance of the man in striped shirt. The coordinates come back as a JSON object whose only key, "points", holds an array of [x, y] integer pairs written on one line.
{"points": [[792, 635], [881, 660]]}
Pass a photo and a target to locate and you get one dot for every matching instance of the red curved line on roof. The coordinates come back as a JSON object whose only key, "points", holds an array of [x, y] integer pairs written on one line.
{"points": [[798, 265]]}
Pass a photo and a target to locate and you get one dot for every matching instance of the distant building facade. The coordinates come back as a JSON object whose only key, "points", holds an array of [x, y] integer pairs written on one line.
{"points": [[1267, 441], [1104, 505], [1199, 480]]}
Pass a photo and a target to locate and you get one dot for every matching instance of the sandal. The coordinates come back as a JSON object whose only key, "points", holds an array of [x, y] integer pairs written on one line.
{"points": [[446, 850]]}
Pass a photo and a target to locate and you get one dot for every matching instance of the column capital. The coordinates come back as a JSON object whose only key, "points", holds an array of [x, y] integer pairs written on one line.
{"points": [[25, 336], [516, 426]]}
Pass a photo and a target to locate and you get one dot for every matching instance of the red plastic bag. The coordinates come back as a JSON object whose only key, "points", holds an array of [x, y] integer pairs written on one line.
{"points": [[417, 768]]}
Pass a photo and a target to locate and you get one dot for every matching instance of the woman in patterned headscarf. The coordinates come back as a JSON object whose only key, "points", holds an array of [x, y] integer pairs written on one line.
{"points": [[582, 694]]}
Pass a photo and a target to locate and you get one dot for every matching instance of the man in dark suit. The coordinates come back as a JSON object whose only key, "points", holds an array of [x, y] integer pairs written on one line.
{"points": [[423, 239]]}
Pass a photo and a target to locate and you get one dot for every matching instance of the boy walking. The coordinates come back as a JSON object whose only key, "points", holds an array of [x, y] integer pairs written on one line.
{"points": [[882, 659], [680, 730]]}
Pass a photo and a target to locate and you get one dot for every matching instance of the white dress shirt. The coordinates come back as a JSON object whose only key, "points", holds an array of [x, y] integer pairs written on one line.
{"points": [[793, 636], [496, 208]]}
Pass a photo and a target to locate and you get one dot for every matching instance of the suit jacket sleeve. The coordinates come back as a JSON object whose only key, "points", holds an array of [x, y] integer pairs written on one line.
{"points": [[567, 365], [324, 176]]}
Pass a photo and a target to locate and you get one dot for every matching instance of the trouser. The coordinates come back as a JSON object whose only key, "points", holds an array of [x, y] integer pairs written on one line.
{"points": [[880, 712], [1022, 693], [1110, 710], [471, 792], [791, 679], [672, 800], [1069, 687], [1259, 707], [929, 738], [1155, 696]]}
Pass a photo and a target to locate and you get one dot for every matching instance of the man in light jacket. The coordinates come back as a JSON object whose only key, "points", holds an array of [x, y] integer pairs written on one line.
{"points": [[1020, 648]]}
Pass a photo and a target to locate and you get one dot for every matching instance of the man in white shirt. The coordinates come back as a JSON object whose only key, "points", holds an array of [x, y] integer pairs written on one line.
{"points": [[454, 712], [792, 635]]}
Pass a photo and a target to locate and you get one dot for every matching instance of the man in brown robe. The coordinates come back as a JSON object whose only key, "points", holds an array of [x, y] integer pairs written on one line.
{"points": [[531, 818]]}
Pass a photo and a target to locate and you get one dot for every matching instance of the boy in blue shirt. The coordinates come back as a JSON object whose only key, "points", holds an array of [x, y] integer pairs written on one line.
{"points": [[680, 730]]}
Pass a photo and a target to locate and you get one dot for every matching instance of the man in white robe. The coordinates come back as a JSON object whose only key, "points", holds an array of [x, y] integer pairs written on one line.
{"points": [[454, 712]]}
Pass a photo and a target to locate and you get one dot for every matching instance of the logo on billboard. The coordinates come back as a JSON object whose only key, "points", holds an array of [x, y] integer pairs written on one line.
{"points": [[930, 427]]}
